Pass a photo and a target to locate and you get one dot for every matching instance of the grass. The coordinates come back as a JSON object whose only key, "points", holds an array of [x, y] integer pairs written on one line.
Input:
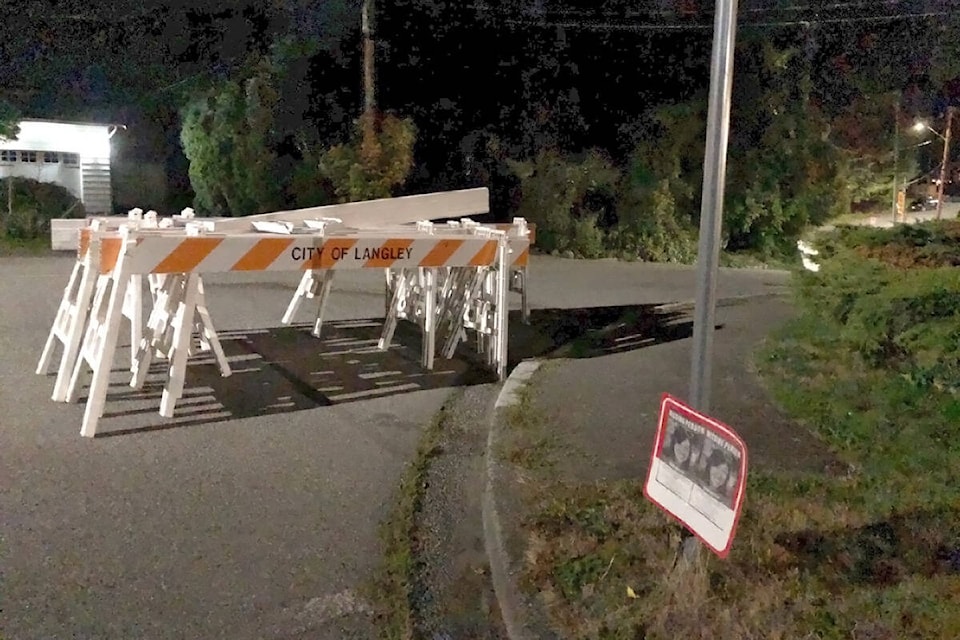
{"points": [[17, 247], [753, 260], [527, 443], [868, 552], [395, 587]]}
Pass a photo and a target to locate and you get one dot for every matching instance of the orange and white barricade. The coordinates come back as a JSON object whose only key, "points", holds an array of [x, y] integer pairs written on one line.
{"points": [[183, 256], [520, 259], [316, 284], [74, 309]]}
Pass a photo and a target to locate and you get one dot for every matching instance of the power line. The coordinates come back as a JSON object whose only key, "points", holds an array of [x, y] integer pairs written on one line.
{"points": [[892, 4], [652, 26], [889, 18]]}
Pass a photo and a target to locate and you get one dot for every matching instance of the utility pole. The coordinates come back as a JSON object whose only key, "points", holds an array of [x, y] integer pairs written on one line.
{"points": [[896, 158], [711, 211], [946, 161], [369, 95]]}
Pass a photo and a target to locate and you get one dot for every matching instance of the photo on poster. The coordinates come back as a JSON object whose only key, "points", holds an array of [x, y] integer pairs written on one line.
{"points": [[697, 473], [704, 457]]}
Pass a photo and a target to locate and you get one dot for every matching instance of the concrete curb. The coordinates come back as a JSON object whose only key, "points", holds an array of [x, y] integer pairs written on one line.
{"points": [[728, 301], [504, 586]]}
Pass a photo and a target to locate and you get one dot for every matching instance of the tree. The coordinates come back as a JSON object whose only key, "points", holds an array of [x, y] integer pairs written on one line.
{"points": [[227, 136], [9, 121], [371, 166]]}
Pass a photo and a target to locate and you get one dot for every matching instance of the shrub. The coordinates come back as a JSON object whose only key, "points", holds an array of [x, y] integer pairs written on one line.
{"points": [[371, 167], [896, 313], [588, 240], [555, 195], [651, 226], [34, 205]]}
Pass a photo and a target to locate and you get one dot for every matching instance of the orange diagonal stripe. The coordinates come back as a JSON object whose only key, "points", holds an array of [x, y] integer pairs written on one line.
{"points": [[262, 254], [486, 255], [331, 254], [523, 258], [109, 253], [84, 243], [389, 248], [440, 253], [188, 254]]}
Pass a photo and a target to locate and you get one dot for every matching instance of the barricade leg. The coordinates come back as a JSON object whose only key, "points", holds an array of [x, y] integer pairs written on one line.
{"points": [[520, 275], [100, 344], [394, 310], [182, 330], [428, 321], [388, 291], [326, 283], [156, 340], [208, 335], [133, 311], [69, 328], [501, 312], [303, 290], [64, 316], [470, 282]]}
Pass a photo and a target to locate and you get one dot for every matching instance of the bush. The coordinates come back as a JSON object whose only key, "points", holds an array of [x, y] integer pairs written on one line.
{"points": [[588, 240], [556, 194], [653, 229], [34, 205], [366, 169], [896, 313], [308, 186]]}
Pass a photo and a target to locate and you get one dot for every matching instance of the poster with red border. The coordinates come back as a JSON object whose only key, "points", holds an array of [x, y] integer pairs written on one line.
{"points": [[698, 473]]}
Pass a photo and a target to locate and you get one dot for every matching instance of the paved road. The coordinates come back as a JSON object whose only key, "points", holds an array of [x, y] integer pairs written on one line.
{"points": [[253, 513], [950, 212]]}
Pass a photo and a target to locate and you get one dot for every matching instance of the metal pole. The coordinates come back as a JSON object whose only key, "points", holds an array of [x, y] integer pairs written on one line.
{"points": [[711, 215], [896, 158], [946, 161], [711, 209]]}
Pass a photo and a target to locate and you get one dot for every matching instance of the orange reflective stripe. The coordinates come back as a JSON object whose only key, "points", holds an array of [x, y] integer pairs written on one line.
{"points": [[188, 254], [523, 258], [440, 253], [486, 255], [390, 247], [109, 253], [84, 245], [262, 254]]}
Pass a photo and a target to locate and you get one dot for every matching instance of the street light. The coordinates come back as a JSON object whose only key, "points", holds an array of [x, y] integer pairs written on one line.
{"points": [[919, 126]]}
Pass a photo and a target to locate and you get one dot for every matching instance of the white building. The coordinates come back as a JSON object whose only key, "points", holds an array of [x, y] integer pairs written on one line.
{"points": [[75, 155]]}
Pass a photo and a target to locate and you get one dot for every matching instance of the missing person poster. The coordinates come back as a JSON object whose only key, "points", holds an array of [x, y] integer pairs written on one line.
{"points": [[698, 473]]}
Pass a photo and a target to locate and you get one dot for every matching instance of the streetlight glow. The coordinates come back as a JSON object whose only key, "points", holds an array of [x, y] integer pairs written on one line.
{"points": [[919, 126]]}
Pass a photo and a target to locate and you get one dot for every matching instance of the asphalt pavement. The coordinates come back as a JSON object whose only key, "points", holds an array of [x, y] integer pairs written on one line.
{"points": [[255, 516], [254, 512]]}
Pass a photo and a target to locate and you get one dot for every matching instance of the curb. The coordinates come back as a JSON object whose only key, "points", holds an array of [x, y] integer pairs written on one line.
{"points": [[729, 301], [504, 587]]}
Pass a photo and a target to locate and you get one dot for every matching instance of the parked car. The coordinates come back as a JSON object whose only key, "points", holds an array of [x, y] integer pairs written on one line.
{"points": [[926, 203]]}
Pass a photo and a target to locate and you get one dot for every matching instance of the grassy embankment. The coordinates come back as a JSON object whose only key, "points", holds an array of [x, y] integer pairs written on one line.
{"points": [[871, 365]]}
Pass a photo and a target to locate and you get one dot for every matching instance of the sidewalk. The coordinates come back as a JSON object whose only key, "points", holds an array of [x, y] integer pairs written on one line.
{"points": [[602, 412], [607, 406]]}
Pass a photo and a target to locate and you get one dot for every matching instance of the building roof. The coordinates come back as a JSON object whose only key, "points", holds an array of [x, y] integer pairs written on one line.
{"points": [[78, 122]]}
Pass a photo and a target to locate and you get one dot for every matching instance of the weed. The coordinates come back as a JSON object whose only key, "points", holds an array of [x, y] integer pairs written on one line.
{"points": [[24, 247], [868, 552], [395, 587], [527, 444]]}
